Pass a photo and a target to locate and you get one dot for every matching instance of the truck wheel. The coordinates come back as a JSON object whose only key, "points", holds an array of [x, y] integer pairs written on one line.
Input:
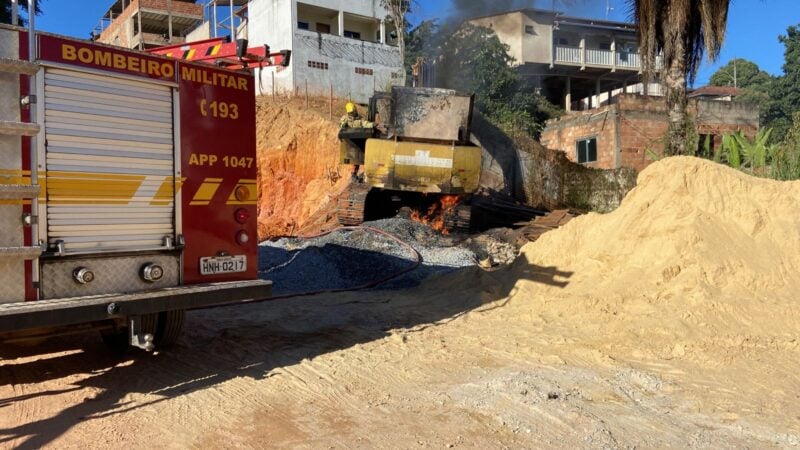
{"points": [[170, 324]]}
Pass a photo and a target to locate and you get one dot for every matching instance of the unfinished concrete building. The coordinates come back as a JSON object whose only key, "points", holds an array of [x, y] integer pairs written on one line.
{"points": [[346, 47], [575, 62], [143, 24], [620, 134]]}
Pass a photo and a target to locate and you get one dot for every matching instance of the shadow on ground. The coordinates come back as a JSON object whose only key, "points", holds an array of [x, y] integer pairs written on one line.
{"points": [[241, 341]]}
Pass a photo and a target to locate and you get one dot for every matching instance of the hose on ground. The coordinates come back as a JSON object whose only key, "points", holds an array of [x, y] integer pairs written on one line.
{"points": [[368, 285]]}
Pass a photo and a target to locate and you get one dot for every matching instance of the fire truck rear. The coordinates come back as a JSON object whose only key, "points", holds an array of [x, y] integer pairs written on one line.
{"points": [[127, 190]]}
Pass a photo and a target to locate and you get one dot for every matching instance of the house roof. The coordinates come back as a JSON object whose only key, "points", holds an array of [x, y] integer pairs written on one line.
{"points": [[714, 91], [562, 18]]}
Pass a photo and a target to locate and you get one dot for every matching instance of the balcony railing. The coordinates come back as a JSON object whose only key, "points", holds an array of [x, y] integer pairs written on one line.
{"points": [[628, 60], [568, 54], [596, 57]]}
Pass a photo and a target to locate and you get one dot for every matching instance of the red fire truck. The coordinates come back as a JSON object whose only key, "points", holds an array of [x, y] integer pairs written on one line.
{"points": [[127, 188]]}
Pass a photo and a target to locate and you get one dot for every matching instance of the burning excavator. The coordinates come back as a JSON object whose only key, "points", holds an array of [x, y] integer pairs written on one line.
{"points": [[415, 151]]}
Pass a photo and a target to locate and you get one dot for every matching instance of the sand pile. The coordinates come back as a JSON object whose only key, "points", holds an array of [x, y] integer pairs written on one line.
{"points": [[299, 171], [697, 251]]}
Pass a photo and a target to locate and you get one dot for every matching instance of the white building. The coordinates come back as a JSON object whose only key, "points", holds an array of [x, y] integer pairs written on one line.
{"points": [[342, 45]]}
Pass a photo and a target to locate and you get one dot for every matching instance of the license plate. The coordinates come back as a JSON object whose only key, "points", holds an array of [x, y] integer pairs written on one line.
{"points": [[213, 265]]}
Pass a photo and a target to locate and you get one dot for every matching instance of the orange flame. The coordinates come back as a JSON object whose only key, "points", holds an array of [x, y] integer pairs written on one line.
{"points": [[434, 216]]}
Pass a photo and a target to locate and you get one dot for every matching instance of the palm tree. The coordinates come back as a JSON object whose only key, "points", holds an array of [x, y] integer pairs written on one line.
{"points": [[5, 10], [679, 31]]}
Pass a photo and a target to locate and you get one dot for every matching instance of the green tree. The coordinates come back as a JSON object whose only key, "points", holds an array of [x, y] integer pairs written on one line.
{"points": [[398, 10], [786, 157], [784, 98], [680, 31], [473, 59], [420, 43], [754, 84], [5, 10]]}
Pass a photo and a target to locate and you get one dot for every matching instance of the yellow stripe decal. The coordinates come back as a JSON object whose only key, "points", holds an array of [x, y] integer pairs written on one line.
{"points": [[216, 49], [206, 192]]}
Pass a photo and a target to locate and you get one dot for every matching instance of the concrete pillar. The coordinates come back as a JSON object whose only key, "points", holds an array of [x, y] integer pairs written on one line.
{"points": [[341, 23], [568, 95], [613, 53], [383, 31], [141, 34], [169, 20], [597, 94]]}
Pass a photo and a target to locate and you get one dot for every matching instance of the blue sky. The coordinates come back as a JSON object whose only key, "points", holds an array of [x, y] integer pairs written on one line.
{"points": [[753, 25]]}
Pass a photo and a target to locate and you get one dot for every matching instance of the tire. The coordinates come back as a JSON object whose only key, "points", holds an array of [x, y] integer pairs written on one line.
{"points": [[170, 324]]}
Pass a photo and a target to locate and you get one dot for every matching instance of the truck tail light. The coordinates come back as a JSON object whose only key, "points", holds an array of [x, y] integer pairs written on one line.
{"points": [[242, 215], [242, 193], [242, 237]]}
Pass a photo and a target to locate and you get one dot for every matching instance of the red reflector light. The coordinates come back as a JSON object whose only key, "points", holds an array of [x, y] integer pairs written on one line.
{"points": [[242, 215]]}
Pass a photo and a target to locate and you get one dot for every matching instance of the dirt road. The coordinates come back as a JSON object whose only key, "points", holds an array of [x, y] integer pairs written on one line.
{"points": [[421, 368], [671, 322]]}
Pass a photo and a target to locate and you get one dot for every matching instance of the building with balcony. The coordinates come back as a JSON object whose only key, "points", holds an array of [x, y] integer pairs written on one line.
{"points": [[143, 24], [574, 62], [343, 47]]}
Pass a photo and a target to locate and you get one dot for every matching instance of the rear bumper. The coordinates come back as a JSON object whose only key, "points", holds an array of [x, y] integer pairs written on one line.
{"points": [[73, 311]]}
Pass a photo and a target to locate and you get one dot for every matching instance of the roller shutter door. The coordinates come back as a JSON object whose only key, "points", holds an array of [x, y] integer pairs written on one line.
{"points": [[110, 161]]}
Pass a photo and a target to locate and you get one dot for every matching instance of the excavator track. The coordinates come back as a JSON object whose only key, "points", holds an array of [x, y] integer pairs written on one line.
{"points": [[459, 219], [351, 205]]}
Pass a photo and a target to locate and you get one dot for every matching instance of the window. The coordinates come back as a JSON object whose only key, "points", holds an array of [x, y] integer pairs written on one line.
{"points": [[323, 28], [352, 34], [586, 150], [604, 46], [563, 41], [302, 25], [363, 71], [529, 29]]}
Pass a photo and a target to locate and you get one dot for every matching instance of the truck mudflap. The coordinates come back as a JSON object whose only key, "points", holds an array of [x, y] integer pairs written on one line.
{"points": [[61, 312]]}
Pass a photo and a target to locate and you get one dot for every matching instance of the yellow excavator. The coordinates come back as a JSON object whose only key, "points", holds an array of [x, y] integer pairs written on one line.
{"points": [[414, 148]]}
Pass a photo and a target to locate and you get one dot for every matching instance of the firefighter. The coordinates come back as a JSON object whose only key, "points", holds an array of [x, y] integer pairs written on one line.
{"points": [[352, 119]]}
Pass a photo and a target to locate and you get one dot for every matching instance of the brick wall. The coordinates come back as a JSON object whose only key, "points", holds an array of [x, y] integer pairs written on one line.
{"points": [[564, 133], [188, 7], [119, 32], [635, 124], [643, 125]]}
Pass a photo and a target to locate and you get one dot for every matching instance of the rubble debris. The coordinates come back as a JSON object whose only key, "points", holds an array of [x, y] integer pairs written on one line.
{"points": [[349, 258]]}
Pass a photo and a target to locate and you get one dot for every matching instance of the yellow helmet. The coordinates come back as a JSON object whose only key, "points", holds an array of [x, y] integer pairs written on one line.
{"points": [[350, 107]]}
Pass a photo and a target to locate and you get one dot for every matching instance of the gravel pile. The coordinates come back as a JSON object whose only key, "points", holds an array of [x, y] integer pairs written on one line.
{"points": [[353, 258]]}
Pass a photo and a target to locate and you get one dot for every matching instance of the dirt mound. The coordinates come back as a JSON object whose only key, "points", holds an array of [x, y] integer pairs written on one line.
{"points": [[696, 251], [299, 171]]}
